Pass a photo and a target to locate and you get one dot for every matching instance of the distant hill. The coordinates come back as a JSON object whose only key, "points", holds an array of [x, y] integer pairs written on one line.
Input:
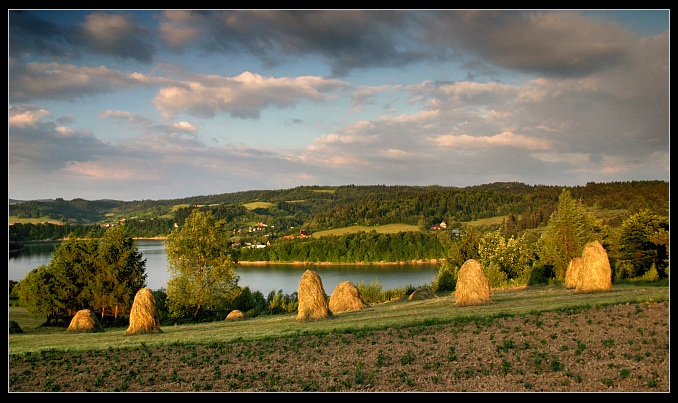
{"points": [[14, 201], [319, 208]]}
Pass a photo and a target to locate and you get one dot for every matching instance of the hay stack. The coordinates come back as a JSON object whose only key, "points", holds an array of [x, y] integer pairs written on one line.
{"points": [[144, 318], [573, 273], [236, 315], [421, 293], [312, 298], [14, 327], [85, 321], [346, 297], [596, 273], [473, 288]]}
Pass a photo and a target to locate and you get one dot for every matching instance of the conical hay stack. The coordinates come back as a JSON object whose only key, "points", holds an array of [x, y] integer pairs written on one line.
{"points": [[144, 318], [312, 298], [85, 321], [596, 273], [573, 273], [236, 315], [473, 288], [346, 297], [421, 293]]}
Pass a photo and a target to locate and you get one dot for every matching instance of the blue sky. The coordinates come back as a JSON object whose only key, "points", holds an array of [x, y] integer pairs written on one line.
{"points": [[164, 104]]}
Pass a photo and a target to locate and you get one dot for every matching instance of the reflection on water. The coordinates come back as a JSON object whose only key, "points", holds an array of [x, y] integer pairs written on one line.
{"points": [[263, 278]]}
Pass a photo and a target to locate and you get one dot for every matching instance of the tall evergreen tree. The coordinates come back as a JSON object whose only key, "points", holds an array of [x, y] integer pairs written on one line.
{"points": [[569, 229], [73, 266], [101, 275], [643, 242], [120, 272]]}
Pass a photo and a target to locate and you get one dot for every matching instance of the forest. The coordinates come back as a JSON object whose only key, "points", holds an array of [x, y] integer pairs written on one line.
{"points": [[262, 215]]}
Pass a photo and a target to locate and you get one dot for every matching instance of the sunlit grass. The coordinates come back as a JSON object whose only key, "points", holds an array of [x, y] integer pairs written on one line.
{"points": [[256, 205], [380, 229], [399, 314], [40, 220]]}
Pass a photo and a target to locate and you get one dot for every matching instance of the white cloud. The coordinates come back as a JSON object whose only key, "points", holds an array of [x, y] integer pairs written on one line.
{"points": [[243, 96], [25, 115], [505, 139]]}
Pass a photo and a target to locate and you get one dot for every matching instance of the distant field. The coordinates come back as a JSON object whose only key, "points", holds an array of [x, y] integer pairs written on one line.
{"points": [[255, 205], [17, 220], [390, 228], [394, 228], [488, 221], [325, 191], [381, 229]]}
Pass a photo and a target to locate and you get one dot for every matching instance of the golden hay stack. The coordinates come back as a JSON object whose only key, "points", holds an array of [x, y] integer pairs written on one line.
{"points": [[144, 318], [236, 315], [422, 293], [596, 273], [346, 297], [312, 298], [473, 288], [573, 273], [85, 321]]}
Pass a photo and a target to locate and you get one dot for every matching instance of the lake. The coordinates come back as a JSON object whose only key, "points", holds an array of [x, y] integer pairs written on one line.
{"points": [[263, 278]]}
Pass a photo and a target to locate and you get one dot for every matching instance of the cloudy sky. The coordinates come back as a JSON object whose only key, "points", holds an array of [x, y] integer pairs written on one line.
{"points": [[163, 104]]}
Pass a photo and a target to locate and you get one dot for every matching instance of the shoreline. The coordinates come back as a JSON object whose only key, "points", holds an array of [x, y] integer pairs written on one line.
{"points": [[295, 263]]}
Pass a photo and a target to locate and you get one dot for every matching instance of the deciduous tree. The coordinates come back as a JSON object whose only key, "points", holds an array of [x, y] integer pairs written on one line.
{"points": [[201, 267]]}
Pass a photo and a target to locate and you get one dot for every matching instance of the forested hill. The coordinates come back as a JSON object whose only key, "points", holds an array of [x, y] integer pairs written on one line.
{"points": [[326, 207]]}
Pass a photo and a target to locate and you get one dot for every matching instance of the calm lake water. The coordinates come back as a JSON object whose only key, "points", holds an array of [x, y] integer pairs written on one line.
{"points": [[264, 278]]}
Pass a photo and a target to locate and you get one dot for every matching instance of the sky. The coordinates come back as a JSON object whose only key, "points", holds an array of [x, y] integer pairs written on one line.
{"points": [[166, 104]]}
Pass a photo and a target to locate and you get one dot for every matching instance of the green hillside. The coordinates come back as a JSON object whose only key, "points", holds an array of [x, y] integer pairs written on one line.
{"points": [[277, 213]]}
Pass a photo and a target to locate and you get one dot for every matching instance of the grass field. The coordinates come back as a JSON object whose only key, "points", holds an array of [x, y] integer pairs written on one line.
{"points": [[535, 339], [380, 316], [255, 205], [488, 221], [380, 229], [41, 220]]}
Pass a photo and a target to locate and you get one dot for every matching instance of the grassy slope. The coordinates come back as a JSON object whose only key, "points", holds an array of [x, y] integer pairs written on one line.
{"points": [[380, 229], [394, 314]]}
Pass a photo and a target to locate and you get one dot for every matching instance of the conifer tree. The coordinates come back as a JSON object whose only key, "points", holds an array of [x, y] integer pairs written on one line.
{"points": [[568, 230]]}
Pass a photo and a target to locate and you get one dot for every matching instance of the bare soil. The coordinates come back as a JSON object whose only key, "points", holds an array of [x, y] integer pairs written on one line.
{"points": [[619, 348]]}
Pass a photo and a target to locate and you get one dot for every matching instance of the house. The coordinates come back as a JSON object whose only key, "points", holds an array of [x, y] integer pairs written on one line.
{"points": [[439, 227]]}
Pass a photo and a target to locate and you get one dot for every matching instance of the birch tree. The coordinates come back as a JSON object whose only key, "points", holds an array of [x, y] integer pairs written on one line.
{"points": [[201, 268]]}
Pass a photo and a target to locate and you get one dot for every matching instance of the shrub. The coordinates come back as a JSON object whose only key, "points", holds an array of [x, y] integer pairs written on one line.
{"points": [[446, 280], [282, 303], [495, 276], [541, 274]]}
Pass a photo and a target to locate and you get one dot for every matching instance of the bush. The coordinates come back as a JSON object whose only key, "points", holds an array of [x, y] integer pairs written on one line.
{"points": [[541, 274], [282, 303], [651, 275], [446, 280], [374, 293], [371, 293], [495, 276]]}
